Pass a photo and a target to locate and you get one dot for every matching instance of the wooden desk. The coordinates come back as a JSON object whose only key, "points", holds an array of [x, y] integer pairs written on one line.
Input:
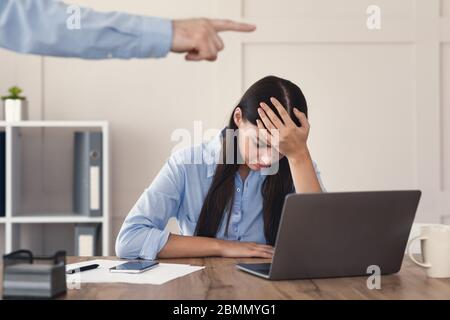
{"points": [[221, 280]]}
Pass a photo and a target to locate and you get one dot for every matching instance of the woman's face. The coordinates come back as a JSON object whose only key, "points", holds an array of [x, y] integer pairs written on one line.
{"points": [[255, 151]]}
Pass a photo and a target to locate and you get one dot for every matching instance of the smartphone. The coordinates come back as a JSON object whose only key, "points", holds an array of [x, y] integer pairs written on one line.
{"points": [[134, 266]]}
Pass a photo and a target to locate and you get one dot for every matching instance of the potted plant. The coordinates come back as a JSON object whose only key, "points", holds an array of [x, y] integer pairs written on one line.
{"points": [[15, 105]]}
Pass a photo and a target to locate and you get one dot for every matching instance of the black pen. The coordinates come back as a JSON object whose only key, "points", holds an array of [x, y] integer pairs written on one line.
{"points": [[84, 268]]}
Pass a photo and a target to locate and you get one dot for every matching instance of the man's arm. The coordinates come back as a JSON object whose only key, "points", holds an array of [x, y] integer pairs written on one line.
{"points": [[41, 27], [48, 27]]}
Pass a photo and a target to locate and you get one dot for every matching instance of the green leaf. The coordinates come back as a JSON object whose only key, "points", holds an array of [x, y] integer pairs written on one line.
{"points": [[14, 93]]}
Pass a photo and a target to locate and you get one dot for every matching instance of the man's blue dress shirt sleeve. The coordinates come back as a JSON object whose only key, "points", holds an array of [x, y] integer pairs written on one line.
{"points": [[40, 27]]}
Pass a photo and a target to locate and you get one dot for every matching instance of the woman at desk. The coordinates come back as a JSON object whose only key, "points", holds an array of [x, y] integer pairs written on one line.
{"points": [[230, 203]]}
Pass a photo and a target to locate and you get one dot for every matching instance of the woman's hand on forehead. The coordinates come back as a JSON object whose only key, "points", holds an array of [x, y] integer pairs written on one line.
{"points": [[281, 131]]}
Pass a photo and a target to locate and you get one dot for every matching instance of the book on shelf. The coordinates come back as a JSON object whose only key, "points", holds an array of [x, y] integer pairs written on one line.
{"points": [[87, 240], [88, 172], [2, 174]]}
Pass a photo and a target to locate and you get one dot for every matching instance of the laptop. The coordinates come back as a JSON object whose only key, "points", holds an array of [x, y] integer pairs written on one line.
{"points": [[327, 235]]}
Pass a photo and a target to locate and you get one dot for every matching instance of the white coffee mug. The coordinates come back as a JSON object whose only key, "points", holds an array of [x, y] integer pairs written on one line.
{"points": [[435, 249]]}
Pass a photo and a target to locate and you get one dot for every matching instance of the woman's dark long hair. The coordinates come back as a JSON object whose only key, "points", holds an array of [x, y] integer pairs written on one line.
{"points": [[219, 198]]}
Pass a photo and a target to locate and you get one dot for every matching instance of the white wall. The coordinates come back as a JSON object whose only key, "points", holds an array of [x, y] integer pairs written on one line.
{"points": [[379, 100]]}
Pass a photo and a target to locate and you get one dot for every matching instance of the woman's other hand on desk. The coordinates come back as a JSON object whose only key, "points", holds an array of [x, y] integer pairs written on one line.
{"points": [[237, 249], [179, 246]]}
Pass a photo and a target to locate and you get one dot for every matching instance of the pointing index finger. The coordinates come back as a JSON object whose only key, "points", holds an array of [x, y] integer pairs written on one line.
{"points": [[229, 25]]}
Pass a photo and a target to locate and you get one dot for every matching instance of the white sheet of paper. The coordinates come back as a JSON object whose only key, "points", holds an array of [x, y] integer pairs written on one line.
{"points": [[160, 274]]}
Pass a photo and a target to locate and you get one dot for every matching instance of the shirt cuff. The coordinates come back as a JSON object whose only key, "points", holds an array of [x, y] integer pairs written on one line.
{"points": [[156, 239], [156, 37]]}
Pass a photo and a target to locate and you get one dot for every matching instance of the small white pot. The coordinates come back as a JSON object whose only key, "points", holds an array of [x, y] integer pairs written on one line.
{"points": [[15, 110]]}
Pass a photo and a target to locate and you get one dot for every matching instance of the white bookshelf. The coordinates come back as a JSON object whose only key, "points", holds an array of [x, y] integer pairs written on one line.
{"points": [[15, 217]]}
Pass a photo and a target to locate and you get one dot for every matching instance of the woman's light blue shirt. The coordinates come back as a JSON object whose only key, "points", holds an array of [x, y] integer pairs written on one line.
{"points": [[179, 191]]}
